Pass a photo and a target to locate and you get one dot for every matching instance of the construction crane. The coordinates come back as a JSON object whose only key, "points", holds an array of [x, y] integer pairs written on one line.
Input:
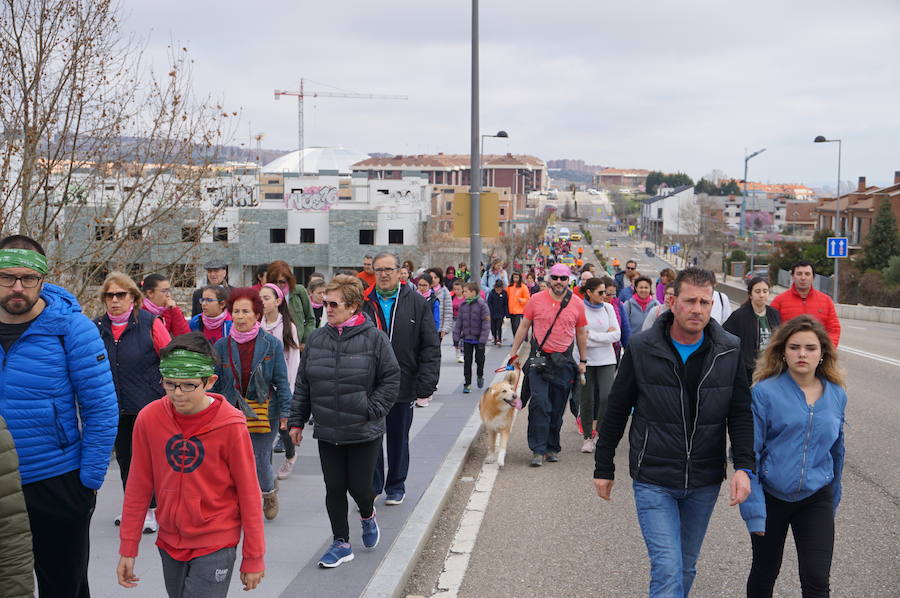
{"points": [[324, 94]]}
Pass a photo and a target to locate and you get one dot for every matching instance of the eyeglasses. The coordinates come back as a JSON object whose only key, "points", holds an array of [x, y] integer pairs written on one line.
{"points": [[164, 291], [630, 267], [611, 293], [385, 270], [333, 304], [208, 300], [120, 296], [183, 386], [29, 281], [281, 282], [555, 277]]}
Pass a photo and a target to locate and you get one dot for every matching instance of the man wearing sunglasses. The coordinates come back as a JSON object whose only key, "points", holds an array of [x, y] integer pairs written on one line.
{"points": [[630, 266], [559, 321], [56, 374]]}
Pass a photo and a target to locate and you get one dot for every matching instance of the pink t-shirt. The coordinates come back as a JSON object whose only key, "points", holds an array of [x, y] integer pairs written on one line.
{"points": [[542, 308]]}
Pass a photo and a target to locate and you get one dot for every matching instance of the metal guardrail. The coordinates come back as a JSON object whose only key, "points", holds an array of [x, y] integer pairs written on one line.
{"points": [[821, 283]]}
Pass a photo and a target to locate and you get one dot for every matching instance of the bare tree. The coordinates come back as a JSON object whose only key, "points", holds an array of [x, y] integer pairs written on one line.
{"points": [[101, 160]]}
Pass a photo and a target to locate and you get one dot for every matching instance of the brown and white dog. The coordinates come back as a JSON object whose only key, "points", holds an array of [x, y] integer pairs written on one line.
{"points": [[498, 412]]}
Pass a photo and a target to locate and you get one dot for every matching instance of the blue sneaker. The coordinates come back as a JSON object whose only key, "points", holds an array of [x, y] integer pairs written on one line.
{"points": [[466, 389], [370, 532], [395, 498], [340, 552]]}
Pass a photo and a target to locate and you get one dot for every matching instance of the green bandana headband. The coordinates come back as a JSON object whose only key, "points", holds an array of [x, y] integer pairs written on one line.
{"points": [[182, 364], [23, 258]]}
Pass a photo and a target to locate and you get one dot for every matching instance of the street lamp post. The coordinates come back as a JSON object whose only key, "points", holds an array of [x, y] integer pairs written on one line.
{"points": [[837, 212], [475, 158], [744, 200], [502, 134]]}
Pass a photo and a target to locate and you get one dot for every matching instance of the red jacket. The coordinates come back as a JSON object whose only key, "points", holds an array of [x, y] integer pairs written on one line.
{"points": [[175, 322], [205, 493], [817, 304]]}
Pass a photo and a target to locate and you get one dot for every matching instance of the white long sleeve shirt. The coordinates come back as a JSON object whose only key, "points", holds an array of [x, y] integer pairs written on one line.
{"points": [[600, 339]]}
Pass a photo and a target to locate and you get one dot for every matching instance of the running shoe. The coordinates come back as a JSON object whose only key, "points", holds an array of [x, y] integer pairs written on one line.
{"points": [[339, 553], [370, 532]]}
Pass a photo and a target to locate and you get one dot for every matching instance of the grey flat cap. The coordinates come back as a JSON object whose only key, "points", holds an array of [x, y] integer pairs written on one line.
{"points": [[215, 265]]}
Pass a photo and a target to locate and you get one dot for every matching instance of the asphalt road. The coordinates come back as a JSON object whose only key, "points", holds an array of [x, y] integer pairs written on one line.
{"points": [[546, 534]]}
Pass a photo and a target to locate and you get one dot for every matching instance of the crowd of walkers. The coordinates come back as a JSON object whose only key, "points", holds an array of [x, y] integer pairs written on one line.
{"points": [[197, 409]]}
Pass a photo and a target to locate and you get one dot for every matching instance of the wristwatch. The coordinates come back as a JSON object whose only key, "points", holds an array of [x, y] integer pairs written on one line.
{"points": [[582, 361]]}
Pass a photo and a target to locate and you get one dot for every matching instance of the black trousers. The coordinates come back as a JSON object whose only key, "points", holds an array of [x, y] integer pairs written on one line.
{"points": [[396, 425], [514, 321], [812, 522], [470, 349], [60, 510], [348, 468], [123, 449], [497, 328]]}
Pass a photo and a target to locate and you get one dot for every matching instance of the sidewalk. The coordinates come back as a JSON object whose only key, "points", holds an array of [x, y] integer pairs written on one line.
{"points": [[301, 533]]}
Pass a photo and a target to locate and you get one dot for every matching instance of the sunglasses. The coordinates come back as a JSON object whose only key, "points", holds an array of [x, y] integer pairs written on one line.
{"points": [[556, 277], [333, 304], [630, 267], [120, 295]]}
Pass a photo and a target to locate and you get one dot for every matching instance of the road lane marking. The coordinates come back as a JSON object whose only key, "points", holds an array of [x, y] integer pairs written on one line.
{"points": [[874, 356], [854, 327]]}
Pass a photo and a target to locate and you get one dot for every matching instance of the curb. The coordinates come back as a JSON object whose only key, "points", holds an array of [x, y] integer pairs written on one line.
{"points": [[392, 574]]}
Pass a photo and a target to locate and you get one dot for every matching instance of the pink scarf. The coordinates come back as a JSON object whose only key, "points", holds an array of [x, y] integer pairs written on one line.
{"points": [[354, 320], [153, 308], [425, 294], [243, 337], [214, 323], [643, 302], [316, 305], [270, 328], [121, 319]]}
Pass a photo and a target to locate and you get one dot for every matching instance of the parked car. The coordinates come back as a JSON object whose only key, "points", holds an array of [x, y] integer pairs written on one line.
{"points": [[613, 242], [575, 237], [761, 271], [611, 228]]}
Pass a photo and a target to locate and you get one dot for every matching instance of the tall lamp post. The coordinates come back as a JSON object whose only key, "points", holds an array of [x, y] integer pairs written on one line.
{"points": [[475, 158], [837, 211], [501, 134], [744, 200]]}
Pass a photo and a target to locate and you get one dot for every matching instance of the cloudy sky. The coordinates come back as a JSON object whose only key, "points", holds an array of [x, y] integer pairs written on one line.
{"points": [[683, 85]]}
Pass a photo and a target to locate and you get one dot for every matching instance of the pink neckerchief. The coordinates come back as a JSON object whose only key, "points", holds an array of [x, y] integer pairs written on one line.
{"points": [[354, 320], [156, 310], [243, 337], [426, 294], [316, 305], [274, 325], [214, 323], [643, 302], [120, 319]]}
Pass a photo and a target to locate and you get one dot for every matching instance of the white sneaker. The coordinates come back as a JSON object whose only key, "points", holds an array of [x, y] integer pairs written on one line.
{"points": [[588, 446], [150, 524], [460, 359], [286, 467]]}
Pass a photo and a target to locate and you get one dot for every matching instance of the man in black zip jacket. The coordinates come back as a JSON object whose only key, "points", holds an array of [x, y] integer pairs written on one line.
{"points": [[408, 321], [686, 383]]}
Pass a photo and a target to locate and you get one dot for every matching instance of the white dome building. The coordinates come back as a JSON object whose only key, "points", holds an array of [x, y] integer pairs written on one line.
{"points": [[316, 159]]}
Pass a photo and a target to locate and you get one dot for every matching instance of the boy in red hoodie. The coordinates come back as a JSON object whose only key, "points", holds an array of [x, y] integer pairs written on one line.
{"points": [[192, 450]]}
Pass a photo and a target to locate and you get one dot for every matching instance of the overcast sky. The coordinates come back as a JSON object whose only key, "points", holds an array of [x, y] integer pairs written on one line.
{"points": [[681, 85]]}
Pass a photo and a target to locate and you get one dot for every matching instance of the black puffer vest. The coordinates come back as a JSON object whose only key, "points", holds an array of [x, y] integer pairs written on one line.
{"points": [[133, 361], [666, 449]]}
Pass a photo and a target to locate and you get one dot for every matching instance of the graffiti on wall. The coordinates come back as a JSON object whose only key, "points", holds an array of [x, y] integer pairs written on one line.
{"points": [[312, 198]]}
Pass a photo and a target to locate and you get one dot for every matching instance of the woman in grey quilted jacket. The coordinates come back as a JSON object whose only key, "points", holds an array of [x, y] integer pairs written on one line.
{"points": [[348, 381], [16, 578]]}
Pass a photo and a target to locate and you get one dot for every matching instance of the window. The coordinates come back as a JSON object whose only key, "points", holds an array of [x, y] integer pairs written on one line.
{"points": [[448, 207], [135, 233], [96, 273], [395, 236], [220, 233], [367, 237], [183, 275], [277, 235], [190, 234], [274, 196], [307, 235], [104, 232], [110, 187], [274, 182], [301, 274], [134, 272], [212, 189], [384, 191], [503, 211]]}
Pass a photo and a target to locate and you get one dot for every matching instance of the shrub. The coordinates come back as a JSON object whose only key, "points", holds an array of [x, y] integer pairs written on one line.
{"points": [[892, 272]]}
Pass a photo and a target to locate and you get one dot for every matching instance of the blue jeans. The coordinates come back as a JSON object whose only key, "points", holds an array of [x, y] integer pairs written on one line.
{"points": [[263, 443], [546, 409], [673, 522]]}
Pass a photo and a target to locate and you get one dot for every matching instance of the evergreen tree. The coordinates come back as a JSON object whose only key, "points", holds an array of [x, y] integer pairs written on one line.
{"points": [[882, 243], [730, 188]]}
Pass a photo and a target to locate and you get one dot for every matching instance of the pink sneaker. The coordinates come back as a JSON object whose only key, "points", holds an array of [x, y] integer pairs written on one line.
{"points": [[286, 467], [423, 402]]}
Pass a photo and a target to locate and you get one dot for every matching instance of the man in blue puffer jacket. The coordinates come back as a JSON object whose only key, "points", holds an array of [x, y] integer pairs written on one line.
{"points": [[57, 396]]}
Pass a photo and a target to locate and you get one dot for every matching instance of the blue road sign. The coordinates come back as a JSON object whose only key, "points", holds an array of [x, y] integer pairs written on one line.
{"points": [[836, 247]]}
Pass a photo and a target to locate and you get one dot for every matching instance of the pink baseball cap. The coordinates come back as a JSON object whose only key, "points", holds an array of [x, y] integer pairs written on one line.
{"points": [[560, 270]]}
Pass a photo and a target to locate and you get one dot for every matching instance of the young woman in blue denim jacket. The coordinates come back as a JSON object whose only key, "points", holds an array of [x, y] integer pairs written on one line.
{"points": [[798, 410]]}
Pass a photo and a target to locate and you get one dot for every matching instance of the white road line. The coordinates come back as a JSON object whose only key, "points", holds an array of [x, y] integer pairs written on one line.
{"points": [[854, 327], [874, 356]]}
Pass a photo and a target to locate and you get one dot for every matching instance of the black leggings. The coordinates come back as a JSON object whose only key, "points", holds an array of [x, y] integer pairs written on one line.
{"points": [[123, 449], [468, 350], [812, 522], [348, 468], [514, 321], [497, 328]]}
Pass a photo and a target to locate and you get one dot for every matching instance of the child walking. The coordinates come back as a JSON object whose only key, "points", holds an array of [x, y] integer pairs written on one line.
{"points": [[498, 303], [192, 451], [472, 329]]}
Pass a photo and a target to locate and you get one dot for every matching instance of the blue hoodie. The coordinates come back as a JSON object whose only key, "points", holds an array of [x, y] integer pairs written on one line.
{"points": [[54, 375], [799, 449]]}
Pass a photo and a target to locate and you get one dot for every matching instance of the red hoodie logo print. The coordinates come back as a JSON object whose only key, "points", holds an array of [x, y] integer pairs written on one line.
{"points": [[184, 456]]}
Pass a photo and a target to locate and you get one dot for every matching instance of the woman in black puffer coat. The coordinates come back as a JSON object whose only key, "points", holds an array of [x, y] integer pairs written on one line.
{"points": [[348, 381]]}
